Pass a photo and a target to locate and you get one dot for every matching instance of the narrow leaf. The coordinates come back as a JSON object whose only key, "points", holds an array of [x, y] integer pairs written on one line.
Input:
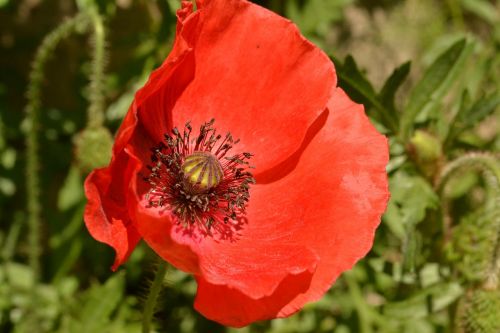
{"points": [[483, 9], [468, 117], [354, 82], [99, 305], [388, 92], [424, 302], [432, 87], [481, 109], [71, 193]]}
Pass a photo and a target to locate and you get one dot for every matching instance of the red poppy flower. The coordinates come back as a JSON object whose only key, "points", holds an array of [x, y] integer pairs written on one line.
{"points": [[267, 223]]}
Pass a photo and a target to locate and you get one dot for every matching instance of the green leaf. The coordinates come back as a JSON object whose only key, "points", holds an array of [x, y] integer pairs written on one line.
{"points": [[315, 17], [483, 9], [71, 193], [70, 230], [433, 86], [467, 117], [71, 256], [95, 310], [9, 246], [354, 82], [425, 301], [411, 196], [388, 91], [19, 276], [447, 130], [480, 110], [412, 247], [174, 5]]}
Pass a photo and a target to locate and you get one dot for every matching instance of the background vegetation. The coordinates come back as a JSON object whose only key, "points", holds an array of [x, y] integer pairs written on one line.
{"points": [[435, 264]]}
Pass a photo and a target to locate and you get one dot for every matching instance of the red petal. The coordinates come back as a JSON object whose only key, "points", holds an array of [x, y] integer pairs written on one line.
{"points": [[156, 99], [331, 203], [254, 73], [239, 310], [180, 50], [254, 264], [263, 82], [106, 215]]}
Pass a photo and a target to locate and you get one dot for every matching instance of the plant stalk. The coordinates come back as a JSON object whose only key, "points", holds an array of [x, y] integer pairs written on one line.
{"points": [[154, 291], [95, 113], [45, 50]]}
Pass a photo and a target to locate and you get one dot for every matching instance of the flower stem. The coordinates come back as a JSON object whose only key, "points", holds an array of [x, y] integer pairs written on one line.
{"points": [[153, 296], [95, 113], [456, 14], [32, 122], [489, 165], [482, 161], [45, 50]]}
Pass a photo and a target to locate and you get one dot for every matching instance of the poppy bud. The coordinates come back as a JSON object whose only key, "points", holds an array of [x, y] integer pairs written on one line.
{"points": [[426, 151], [93, 148]]}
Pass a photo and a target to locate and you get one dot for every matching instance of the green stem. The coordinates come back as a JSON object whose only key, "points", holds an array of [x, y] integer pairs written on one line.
{"points": [[490, 166], [359, 303], [45, 50], [456, 14], [154, 291], [95, 113], [483, 161], [370, 320]]}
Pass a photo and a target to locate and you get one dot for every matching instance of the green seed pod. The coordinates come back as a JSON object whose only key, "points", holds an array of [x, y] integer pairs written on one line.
{"points": [[93, 148], [202, 171]]}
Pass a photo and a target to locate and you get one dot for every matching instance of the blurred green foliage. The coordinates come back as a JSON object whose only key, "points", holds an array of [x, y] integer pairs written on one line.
{"points": [[434, 266]]}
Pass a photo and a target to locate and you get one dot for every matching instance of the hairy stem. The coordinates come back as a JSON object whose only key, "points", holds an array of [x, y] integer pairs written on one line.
{"points": [[95, 112], [154, 291], [483, 161], [36, 77], [489, 165]]}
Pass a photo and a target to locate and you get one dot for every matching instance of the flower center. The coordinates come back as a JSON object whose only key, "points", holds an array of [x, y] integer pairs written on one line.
{"points": [[202, 171], [198, 181]]}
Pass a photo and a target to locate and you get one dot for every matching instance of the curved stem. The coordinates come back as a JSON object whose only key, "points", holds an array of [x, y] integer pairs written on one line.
{"points": [[154, 291], [489, 165], [479, 160], [95, 112], [45, 50]]}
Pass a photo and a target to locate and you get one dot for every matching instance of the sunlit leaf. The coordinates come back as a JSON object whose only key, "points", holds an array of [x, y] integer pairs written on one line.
{"points": [[388, 92], [96, 308], [467, 117], [483, 9], [357, 86], [425, 301], [433, 86], [71, 192]]}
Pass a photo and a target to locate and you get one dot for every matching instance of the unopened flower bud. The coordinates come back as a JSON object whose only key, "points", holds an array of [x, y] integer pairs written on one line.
{"points": [[93, 148], [426, 151]]}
